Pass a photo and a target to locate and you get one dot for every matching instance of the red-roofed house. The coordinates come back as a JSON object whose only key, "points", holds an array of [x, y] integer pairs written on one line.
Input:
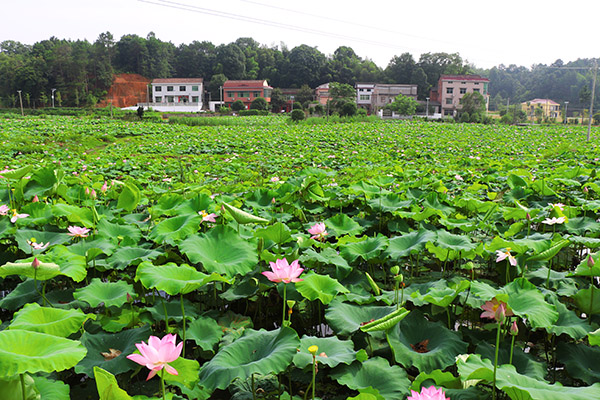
{"points": [[451, 88], [246, 91]]}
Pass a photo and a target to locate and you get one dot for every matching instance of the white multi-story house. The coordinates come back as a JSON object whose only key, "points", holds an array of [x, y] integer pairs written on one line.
{"points": [[177, 94], [364, 94]]}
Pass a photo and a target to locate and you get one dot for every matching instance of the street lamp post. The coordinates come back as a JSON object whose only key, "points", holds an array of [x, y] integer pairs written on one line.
{"points": [[566, 109], [427, 108], [21, 102], [53, 90]]}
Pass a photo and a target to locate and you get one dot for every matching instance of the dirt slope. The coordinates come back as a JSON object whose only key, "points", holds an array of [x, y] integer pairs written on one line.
{"points": [[127, 90]]}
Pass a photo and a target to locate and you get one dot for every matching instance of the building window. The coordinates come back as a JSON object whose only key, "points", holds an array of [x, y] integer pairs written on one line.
{"points": [[194, 88], [463, 83], [194, 99], [463, 90], [476, 83], [230, 94], [170, 99], [169, 88], [158, 99], [449, 100], [365, 97], [476, 90], [449, 90], [450, 81], [182, 88], [267, 93], [158, 88]]}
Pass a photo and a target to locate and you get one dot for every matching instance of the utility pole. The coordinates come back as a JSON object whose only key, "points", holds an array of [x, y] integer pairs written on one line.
{"points": [[53, 90], [21, 101], [566, 109], [592, 102]]}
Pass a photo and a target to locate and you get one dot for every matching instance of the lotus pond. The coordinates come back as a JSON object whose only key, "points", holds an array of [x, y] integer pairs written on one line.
{"points": [[278, 261]]}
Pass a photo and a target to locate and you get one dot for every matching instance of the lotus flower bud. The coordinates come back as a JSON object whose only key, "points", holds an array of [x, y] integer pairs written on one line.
{"points": [[514, 329], [585, 190], [528, 217], [590, 261], [36, 199], [35, 263]]}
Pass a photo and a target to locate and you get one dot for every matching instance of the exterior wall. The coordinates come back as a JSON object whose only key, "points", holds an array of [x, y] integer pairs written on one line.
{"points": [[246, 91], [322, 94], [169, 94], [384, 94], [364, 95], [550, 108], [452, 88]]}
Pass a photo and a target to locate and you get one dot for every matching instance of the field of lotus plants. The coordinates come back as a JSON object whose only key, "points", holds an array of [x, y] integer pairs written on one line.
{"points": [[359, 261]]}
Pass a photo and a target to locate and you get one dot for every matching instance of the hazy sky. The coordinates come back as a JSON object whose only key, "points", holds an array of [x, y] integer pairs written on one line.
{"points": [[485, 33]]}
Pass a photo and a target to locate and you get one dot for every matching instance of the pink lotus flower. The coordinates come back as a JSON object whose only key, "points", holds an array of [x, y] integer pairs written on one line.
{"points": [[104, 188], [17, 216], [561, 206], [4, 209], [501, 255], [77, 231], [35, 199], [284, 272], [157, 354], [554, 220], [318, 231], [497, 310], [37, 246], [206, 217], [430, 393]]}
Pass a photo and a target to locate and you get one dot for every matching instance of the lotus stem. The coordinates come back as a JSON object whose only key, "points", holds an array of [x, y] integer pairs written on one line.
{"points": [[22, 376], [284, 304], [162, 382], [314, 375], [512, 346], [184, 322], [496, 361], [166, 315], [549, 270], [591, 299], [253, 388]]}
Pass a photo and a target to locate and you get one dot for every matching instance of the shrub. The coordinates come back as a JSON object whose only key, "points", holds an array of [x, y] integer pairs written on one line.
{"points": [[319, 109], [361, 112], [297, 106], [259, 103], [238, 105], [348, 109], [297, 115], [246, 113]]}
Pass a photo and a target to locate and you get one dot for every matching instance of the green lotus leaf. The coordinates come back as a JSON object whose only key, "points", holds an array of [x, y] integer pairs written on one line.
{"points": [[221, 250], [52, 321], [265, 384], [581, 225], [439, 297], [22, 294], [187, 372], [43, 272], [527, 301], [167, 204], [172, 278], [592, 243], [336, 351], [583, 300], [129, 197], [27, 351], [278, 233], [10, 387], [52, 390], [255, 352], [367, 394], [261, 198], [109, 351], [205, 331], [242, 217], [388, 203], [445, 379], [322, 287], [200, 202], [425, 345], [365, 188], [432, 201], [345, 318], [581, 361], [584, 269], [117, 232], [525, 363], [119, 319], [327, 256], [410, 243], [537, 242], [549, 252], [108, 387], [173, 310], [126, 256], [71, 264], [109, 293], [174, 230], [449, 241], [391, 381], [233, 326], [18, 173], [243, 289], [561, 281], [568, 322], [594, 338], [74, 214], [91, 249], [342, 224], [369, 248], [517, 386], [24, 235]]}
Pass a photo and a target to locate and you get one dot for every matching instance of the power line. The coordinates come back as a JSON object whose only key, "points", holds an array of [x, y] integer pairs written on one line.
{"points": [[263, 22]]}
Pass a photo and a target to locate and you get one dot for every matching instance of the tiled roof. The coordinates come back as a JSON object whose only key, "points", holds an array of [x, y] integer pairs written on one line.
{"points": [[464, 78], [543, 101], [178, 80], [246, 84]]}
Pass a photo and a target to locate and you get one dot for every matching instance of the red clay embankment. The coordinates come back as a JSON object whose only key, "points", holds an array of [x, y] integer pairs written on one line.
{"points": [[126, 91]]}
